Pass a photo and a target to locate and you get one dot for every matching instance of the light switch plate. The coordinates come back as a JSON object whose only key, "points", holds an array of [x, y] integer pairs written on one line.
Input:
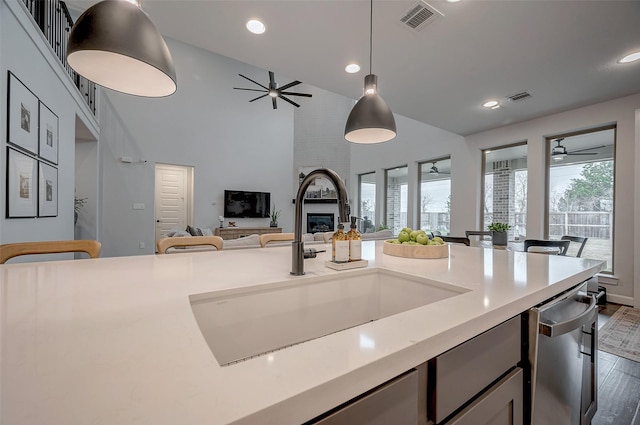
{"points": [[138, 206]]}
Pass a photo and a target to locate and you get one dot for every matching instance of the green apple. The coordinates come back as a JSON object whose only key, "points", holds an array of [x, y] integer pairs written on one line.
{"points": [[438, 240], [414, 234], [403, 236], [422, 239]]}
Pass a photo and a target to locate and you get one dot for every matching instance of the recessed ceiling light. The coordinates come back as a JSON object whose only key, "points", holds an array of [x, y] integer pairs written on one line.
{"points": [[256, 26], [630, 58], [492, 104], [352, 68], [453, 1]]}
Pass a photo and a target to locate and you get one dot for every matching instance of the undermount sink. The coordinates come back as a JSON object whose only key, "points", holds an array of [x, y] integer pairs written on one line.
{"points": [[243, 323]]}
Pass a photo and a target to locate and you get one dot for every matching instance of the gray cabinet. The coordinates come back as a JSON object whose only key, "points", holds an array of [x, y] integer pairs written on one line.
{"points": [[476, 383], [499, 405], [398, 402], [460, 374]]}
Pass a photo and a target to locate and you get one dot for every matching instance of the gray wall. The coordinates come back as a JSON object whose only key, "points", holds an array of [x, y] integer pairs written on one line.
{"points": [[231, 143], [23, 51]]}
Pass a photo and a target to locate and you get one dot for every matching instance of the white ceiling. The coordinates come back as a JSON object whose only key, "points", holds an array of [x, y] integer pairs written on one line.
{"points": [[563, 52]]}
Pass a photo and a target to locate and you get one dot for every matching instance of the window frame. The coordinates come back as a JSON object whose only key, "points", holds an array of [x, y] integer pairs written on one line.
{"points": [[484, 167], [418, 207], [547, 165]]}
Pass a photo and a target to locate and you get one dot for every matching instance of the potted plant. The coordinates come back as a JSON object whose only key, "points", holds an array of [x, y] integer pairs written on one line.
{"points": [[274, 217], [499, 232]]}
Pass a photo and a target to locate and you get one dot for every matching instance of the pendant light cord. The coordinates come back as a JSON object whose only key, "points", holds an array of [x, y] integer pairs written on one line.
{"points": [[370, 36]]}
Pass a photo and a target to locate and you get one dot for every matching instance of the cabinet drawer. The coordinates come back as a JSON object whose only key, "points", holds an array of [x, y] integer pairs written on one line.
{"points": [[396, 402], [462, 372], [499, 405]]}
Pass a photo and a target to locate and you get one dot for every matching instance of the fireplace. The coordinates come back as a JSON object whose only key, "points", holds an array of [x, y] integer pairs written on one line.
{"points": [[320, 222]]}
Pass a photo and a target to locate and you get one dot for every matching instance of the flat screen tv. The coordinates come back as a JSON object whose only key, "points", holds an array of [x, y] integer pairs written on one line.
{"points": [[243, 204]]}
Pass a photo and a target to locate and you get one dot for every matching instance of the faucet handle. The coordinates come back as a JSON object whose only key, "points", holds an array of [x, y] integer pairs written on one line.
{"points": [[311, 253]]}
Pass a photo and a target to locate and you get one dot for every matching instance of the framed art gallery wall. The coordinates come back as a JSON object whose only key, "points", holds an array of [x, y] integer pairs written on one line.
{"points": [[32, 156]]}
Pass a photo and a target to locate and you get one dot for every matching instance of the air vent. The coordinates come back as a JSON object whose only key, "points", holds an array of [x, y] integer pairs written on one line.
{"points": [[519, 96], [419, 16]]}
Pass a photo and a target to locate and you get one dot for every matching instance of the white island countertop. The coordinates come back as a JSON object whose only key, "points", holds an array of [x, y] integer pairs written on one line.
{"points": [[114, 340]]}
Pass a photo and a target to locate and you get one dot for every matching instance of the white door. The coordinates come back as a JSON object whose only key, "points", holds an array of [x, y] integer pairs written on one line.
{"points": [[172, 198]]}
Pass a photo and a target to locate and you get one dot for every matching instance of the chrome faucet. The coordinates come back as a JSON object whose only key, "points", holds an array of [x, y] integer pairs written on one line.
{"points": [[297, 264]]}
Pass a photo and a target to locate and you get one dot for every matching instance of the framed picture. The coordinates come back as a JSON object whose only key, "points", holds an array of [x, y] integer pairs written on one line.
{"points": [[48, 190], [23, 115], [21, 185], [48, 141]]}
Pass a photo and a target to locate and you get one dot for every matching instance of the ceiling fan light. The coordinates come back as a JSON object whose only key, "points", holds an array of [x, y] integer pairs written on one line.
{"points": [[115, 44], [370, 120], [558, 156]]}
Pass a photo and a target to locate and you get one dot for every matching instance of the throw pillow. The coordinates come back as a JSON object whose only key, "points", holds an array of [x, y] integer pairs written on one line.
{"points": [[206, 231], [191, 231]]}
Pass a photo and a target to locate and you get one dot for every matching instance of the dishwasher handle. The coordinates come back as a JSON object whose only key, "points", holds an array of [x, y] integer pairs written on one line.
{"points": [[555, 329]]}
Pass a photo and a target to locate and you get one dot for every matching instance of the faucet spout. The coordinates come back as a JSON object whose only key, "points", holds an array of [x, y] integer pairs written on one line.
{"points": [[297, 263]]}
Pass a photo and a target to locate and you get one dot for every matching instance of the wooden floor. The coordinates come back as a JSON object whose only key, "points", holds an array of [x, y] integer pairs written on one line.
{"points": [[618, 384]]}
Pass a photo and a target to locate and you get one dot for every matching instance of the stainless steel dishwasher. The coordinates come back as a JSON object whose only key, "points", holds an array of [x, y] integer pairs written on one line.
{"points": [[563, 343]]}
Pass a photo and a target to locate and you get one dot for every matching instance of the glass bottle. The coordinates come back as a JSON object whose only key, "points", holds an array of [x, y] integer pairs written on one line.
{"points": [[355, 241], [339, 246]]}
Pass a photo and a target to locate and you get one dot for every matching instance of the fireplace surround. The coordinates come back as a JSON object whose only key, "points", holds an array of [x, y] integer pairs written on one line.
{"points": [[320, 222]]}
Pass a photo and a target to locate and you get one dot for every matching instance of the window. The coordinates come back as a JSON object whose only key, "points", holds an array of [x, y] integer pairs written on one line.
{"points": [[396, 195], [580, 191], [505, 188], [434, 200], [367, 207]]}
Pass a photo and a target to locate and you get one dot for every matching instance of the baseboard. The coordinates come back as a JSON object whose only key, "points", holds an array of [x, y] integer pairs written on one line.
{"points": [[619, 299]]}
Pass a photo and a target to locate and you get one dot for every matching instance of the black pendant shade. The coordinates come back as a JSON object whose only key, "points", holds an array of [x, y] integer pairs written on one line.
{"points": [[370, 120], [115, 44]]}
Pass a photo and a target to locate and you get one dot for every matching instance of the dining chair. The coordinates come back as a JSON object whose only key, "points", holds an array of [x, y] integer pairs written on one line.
{"points": [[273, 237], [456, 239], [577, 239], [561, 245], [10, 250], [477, 233], [183, 241]]}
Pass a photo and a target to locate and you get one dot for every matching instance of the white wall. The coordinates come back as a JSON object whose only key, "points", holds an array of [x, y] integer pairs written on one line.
{"points": [[622, 112], [25, 53], [231, 143]]}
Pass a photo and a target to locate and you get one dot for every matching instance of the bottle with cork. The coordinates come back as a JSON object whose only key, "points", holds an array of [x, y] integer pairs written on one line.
{"points": [[355, 241], [340, 246]]}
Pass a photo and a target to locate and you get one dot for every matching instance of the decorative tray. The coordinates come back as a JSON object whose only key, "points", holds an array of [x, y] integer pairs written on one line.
{"points": [[416, 251], [346, 266]]}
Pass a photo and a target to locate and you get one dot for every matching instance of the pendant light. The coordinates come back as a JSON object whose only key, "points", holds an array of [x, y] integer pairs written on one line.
{"points": [[115, 44], [370, 120]]}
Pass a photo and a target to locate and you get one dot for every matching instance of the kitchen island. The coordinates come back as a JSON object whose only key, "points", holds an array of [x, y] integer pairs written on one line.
{"points": [[115, 341]]}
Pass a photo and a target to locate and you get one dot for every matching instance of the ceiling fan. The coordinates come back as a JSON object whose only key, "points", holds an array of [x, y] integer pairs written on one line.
{"points": [[559, 152], [434, 170], [274, 91]]}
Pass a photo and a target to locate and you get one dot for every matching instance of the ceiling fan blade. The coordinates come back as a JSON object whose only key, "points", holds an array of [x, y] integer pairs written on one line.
{"points": [[290, 101], [291, 84], [588, 149], [273, 101], [272, 80], [582, 153], [288, 93], [240, 88], [259, 97], [254, 82]]}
